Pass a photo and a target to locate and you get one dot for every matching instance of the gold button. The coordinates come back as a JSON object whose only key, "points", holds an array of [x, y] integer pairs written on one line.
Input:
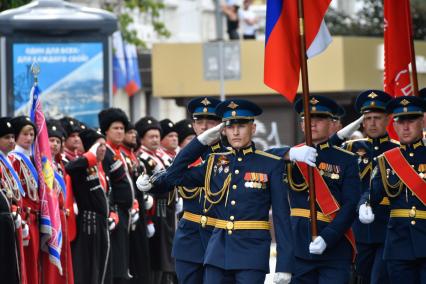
{"points": [[229, 225], [231, 218], [229, 232], [233, 202], [412, 212], [205, 210], [411, 154], [239, 159], [237, 172], [376, 147], [234, 186], [413, 222], [203, 221]]}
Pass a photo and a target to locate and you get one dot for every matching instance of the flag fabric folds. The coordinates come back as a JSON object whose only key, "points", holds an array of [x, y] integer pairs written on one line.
{"points": [[133, 82], [282, 46], [397, 45], [119, 71], [50, 222]]}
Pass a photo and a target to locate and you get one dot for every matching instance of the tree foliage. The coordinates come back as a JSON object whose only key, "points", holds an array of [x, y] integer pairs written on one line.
{"points": [[10, 4], [368, 21]]}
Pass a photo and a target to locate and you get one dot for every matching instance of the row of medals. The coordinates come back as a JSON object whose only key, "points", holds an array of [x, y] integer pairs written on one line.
{"points": [[253, 184], [331, 175]]}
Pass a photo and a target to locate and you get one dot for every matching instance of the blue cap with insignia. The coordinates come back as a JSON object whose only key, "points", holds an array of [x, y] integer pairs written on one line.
{"points": [[319, 106], [237, 111], [372, 100], [203, 107], [409, 106]]}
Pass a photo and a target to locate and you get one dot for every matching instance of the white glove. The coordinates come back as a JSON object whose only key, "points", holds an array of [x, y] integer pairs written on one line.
{"points": [[75, 207], [143, 183], [347, 131], [365, 214], [25, 234], [150, 230], [210, 136], [179, 205], [135, 216], [94, 148], [111, 224], [149, 201], [17, 219], [317, 246], [304, 154], [282, 278]]}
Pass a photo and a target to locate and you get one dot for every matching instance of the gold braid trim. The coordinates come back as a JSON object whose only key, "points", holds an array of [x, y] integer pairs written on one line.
{"points": [[209, 195], [366, 170], [171, 197], [294, 186], [387, 186], [188, 193]]}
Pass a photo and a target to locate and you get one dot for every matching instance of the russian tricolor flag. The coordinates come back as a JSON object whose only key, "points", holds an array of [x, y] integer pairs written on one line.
{"points": [[282, 46]]}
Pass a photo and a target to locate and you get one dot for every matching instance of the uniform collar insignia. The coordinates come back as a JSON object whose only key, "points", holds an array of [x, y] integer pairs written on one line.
{"points": [[324, 145], [247, 151], [215, 147]]}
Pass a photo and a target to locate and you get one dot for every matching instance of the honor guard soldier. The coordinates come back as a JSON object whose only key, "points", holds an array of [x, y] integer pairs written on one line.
{"points": [[327, 258], [193, 232], [72, 141], [113, 123], [91, 248], [400, 176], [241, 184], [163, 212], [10, 195], [22, 161], [370, 238]]}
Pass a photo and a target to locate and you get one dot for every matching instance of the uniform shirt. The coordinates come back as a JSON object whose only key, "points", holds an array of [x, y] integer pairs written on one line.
{"points": [[367, 150], [340, 171], [405, 236]]}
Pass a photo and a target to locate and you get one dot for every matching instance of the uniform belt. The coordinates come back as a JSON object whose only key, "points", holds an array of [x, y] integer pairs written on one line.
{"points": [[300, 212], [408, 213], [199, 219], [242, 225]]}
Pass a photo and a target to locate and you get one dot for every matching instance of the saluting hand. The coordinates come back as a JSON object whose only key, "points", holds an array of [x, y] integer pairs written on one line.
{"points": [[211, 136]]}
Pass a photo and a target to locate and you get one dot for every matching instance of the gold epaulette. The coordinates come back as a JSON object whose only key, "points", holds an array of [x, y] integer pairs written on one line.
{"points": [[268, 155], [343, 150]]}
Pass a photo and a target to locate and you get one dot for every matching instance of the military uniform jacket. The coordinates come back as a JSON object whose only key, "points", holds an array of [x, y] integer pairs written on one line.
{"points": [[191, 239], [367, 150], [405, 238], [249, 181], [339, 170]]}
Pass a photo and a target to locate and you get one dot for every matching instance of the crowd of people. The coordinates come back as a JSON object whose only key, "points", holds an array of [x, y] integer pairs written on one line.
{"points": [[188, 202]]}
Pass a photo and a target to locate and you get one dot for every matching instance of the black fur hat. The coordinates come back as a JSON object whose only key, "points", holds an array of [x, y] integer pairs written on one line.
{"points": [[55, 129], [146, 123], [108, 116], [19, 122], [167, 126], [89, 137], [6, 126], [184, 129]]}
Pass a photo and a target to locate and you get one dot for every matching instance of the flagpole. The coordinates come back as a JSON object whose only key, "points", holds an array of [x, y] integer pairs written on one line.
{"points": [[412, 53], [307, 116]]}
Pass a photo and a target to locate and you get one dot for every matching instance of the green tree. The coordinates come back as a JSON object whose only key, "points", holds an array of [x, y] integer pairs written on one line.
{"points": [[10, 4], [368, 21]]}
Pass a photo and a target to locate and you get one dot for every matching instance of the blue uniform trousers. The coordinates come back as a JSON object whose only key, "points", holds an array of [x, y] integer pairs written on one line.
{"points": [[189, 272], [216, 275], [370, 265], [321, 271], [407, 271]]}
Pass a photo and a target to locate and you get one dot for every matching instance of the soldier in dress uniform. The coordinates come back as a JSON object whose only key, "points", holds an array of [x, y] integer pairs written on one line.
{"points": [[22, 161], [370, 238], [10, 195], [72, 141], [240, 186], [400, 176], [113, 123], [91, 248], [163, 212], [169, 138], [140, 264], [327, 258]]}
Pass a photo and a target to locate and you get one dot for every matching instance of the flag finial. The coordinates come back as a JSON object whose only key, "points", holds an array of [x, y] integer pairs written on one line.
{"points": [[35, 69]]}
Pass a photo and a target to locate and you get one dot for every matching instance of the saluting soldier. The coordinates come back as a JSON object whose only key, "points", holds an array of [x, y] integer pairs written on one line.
{"points": [[113, 123], [193, 232], [240, 184], [327, 258], [370, 238], [91, 248], [400, 176]]}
